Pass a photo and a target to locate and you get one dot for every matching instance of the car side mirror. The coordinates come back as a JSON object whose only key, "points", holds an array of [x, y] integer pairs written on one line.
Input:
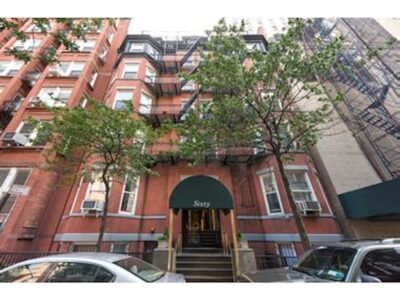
{"points": [[369, 278]]}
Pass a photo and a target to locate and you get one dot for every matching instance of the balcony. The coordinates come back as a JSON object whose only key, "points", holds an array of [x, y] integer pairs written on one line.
{"points": [[31, 78], [156, 114]]}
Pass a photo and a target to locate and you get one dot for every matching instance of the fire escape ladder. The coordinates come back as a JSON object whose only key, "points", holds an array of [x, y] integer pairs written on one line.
{"points": [[183, 82], [388, 126], [187, 106], [189, 52]]}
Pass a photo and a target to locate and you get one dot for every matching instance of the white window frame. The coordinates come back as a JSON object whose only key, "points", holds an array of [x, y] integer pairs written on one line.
{"points": [[126, 247], [291, 245], [123, 89], [35, 28], [307, 179], [72, 66], [31, 136], [1, 89], [84, 44], [13, 65], [136, 192], [125, 70], [271, 173], [93, 78], [7, 184], [110, 35], [151, 74], [56, 93], [142, 109], [28, 44], [89, 188], [103, 53]]}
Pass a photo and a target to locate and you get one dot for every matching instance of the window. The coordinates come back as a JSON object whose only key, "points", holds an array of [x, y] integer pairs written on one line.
{"points": [[16, 102], [251, 46], [30, 132], [300, 185], [130, 71], [28, 44], [145, 104], [140, 47], [150, 75], [10, 68], [287, 254], [136, 47], [271, 194], [10, 177], [383, 264], [110, 36], [93, 78], [36, 28], [96, 189], [78, 272], [85, 46], [103, 54], [68, 68], [188, 86], [143, 270], [1, 89], [26, 273], [121, 98], [286, 138], [83, 248], [129, 194], [119, 248], [54, 96]]}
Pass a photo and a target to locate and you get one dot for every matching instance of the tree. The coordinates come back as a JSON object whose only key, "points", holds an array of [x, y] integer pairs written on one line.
{"points": [[67, 31], [259, 98], [97, 139]]}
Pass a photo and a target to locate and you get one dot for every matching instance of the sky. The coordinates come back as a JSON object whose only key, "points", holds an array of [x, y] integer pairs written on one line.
{"points": [[196, 25]]}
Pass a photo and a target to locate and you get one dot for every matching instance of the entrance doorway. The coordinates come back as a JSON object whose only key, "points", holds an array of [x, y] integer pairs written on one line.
{"points": [[201, 228]]}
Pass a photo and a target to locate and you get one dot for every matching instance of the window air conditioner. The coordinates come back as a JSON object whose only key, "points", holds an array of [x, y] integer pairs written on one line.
{"points": [[309, 207], [35, 102], [15, 139], [92, 206]]}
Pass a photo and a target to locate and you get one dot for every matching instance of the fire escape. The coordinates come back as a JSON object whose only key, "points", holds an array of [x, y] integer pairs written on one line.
{"points": [[169, 85], [365, 93]]}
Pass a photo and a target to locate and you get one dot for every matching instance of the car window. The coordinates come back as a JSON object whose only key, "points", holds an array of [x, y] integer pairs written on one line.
{"points": [[26, 273], [79, 272], [383, 264], [145, 271]]}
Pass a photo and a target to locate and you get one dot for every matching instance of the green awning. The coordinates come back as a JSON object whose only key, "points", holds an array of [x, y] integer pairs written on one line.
{"points": [[377, 200], [199, 192]]}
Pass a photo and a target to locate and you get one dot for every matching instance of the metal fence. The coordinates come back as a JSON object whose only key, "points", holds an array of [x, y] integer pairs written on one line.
{"points": [[274, 261], [10, 258]]}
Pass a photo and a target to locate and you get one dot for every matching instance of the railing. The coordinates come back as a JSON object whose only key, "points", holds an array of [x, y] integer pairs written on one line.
{"points": [[225, 246], [235, 267], [274, 261], [10, 258]]}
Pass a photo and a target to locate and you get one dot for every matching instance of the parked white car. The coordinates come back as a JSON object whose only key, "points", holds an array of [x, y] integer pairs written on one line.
{"points": [[87, 267]]}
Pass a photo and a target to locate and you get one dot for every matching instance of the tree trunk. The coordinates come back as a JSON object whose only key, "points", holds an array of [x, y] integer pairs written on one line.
{"points": [[105, 210], [296, 213]]}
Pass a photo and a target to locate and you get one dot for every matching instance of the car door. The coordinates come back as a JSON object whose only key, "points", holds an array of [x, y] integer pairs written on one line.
{"points": [[381, 264], [78, 272], [33, 272]]}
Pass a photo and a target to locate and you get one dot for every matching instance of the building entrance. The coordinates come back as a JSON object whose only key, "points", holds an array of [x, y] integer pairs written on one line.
{"points": [[201, 228]]}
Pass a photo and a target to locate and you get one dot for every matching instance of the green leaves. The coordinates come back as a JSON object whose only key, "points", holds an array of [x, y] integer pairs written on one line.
{"points": [[112, 139], [67, 31], [258, 94]]}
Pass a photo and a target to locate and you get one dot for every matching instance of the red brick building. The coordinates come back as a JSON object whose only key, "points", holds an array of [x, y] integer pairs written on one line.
{"points": [[35, 215]]}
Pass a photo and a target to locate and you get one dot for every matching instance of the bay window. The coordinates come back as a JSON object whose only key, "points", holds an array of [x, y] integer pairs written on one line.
{"points": [[300, 185], [145, 104], [130, 71], [121, 98]]}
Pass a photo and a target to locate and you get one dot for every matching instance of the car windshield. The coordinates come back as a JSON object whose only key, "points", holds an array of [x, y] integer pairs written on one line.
{"points": [[331, 263], [145, 271]]}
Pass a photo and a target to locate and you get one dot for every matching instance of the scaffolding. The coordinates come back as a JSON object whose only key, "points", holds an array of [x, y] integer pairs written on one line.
{"points": [[371, 89]]}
